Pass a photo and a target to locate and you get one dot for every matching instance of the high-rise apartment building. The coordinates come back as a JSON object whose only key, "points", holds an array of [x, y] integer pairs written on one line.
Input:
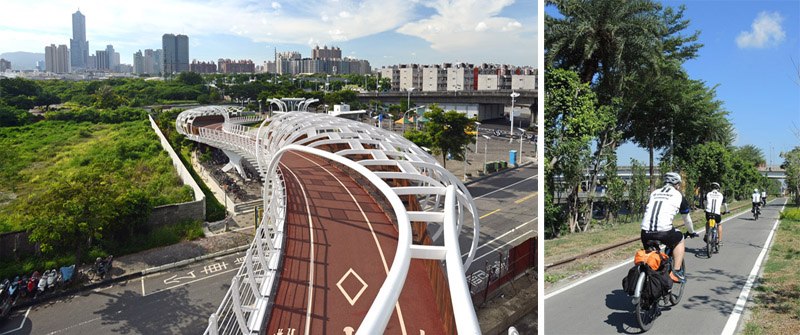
{"points": [[202, 67], [4, 65], [138, 62], [325, 53], [241, 66], [176, 53], [57, 59], [101, 57], [111, 54], [79, 55]]}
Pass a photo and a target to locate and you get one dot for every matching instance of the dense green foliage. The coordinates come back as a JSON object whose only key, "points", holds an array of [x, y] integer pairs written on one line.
{"points": [[792, 165], [445, 132], [42, 157]]}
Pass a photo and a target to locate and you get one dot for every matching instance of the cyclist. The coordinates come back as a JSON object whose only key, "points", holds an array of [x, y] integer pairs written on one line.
{"points": [[763, 197], [714, 203], [664, 203], [756, 201]]}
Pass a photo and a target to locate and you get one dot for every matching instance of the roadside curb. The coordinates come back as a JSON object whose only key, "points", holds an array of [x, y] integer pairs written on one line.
{"points": [[498, 173], [129, 276]]}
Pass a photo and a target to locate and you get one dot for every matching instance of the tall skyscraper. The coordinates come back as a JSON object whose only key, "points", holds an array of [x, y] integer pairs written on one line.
{"points": [[138, 62], [79, 55], [102, 60], [57, 59], [176, 53], [110, 54]]}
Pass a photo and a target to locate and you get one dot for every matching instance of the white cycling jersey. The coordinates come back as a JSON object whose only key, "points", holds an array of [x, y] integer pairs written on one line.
{"points": [[756, 197], [763, 195], [714, 201], [661, 209]]}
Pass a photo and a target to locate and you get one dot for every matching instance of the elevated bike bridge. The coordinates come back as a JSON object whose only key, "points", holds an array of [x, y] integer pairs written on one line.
{"points": [[344, 243]]}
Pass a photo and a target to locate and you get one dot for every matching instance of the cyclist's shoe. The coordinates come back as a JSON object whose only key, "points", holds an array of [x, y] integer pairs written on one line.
{"points": [[677, 276], [720, 243], [705, 238]]}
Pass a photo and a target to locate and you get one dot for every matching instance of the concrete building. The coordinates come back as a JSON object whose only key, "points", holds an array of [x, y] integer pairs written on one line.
{"points": [[138, 62], [434, 78], [460, 77], [101, 57], [410, 76], [176, 53], [57, 59], [325, 53], [202, 67], [110, 53], [92, 63], [79, 55], [240, 66], [4, 65]]}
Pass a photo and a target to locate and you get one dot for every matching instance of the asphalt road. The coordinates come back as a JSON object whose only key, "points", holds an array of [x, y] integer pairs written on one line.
{"points": [[179, 301], [713, 296]]}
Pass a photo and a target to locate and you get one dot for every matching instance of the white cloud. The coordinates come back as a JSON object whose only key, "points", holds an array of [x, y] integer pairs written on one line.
{"points": [[766, 31], [276, 5], [453, 30]]}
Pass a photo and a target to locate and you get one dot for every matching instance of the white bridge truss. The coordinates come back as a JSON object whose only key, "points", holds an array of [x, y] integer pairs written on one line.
{"points": [[370, 151]]}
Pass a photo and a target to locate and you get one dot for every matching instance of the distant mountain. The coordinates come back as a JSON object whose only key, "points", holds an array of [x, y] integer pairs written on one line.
{"points": [[22, 60]]}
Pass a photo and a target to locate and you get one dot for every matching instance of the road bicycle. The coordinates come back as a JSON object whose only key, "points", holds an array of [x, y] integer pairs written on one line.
{"points": [[712, 238], [648, 308], [756, 212]]}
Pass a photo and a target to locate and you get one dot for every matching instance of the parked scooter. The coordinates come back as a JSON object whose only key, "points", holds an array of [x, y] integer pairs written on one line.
{"points": [[33, 283], [14, 288], [47, 281], [66, 275], [6, 301]]}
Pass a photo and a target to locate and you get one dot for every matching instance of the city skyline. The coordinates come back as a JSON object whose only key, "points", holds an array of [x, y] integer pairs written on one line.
{"points": [[382, 32]]}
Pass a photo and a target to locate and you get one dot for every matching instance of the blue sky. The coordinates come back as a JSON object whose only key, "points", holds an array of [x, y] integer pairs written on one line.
{"points": [[749, 47], [385, 32]]}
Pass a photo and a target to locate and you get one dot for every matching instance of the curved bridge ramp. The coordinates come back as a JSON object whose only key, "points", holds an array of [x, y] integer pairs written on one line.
{"points": [[344, 244]]}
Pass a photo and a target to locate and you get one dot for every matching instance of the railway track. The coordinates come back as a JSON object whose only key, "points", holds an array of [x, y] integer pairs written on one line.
{"points": [[616, 245]]}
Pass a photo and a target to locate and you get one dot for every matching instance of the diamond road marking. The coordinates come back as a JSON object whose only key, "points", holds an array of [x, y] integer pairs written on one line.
{"points": [[353, 300]]}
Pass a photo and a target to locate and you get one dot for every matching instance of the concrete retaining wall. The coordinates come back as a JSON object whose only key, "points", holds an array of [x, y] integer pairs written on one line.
{"points": [[15, 240]]}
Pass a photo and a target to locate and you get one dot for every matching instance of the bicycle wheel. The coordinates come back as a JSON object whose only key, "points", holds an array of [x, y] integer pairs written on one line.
{"points": [[716, 239], [674, 297], [709, 239], [646, 313]]}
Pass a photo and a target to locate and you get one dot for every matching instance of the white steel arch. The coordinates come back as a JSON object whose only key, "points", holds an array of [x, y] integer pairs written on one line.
{"points": [[394, 165]]}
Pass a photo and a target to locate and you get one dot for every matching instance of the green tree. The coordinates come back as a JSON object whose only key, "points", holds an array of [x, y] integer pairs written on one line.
{"points": [[571, 122], [447, 133], [750, 153], [791, 164], [638, 189], [106, 98], [71, 213], [190, 78]]}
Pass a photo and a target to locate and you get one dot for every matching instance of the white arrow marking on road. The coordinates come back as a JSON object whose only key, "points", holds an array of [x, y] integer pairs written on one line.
{"points": [[173, 280]]}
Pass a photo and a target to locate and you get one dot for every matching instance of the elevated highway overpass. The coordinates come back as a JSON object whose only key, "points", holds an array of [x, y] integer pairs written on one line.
{"points": [[491, 102]]}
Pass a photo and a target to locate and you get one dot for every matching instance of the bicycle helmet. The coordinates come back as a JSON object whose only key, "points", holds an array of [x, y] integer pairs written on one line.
{"points": [[672, 178], [755, 190], [715, 186]]}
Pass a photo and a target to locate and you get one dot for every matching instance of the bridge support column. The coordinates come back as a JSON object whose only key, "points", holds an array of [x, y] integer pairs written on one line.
{"points": [[235, 162]]}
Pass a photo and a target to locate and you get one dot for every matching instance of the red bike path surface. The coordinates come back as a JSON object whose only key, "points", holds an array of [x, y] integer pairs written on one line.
{"points": [[350, 234]]}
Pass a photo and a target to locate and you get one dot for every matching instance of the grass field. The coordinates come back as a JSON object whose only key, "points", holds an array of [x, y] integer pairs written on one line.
{"points": [[776, 305], [126, 154]]}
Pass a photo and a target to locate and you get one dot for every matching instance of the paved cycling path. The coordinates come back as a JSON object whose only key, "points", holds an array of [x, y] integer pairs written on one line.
{"points": [[599, 306], [339, 247]]}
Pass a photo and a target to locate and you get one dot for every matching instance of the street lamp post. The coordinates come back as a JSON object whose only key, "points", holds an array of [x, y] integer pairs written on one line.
{"points": [[521, 135], [477, 124], [408, 104], [514, 95], [485, 144]]}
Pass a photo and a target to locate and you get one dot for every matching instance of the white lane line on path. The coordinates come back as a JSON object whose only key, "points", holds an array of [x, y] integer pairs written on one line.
{"points": [[143, 292], [500, 189], [499, 237], [612, 268], [192, 281], [311, 264], [20, 324], [374, 237], [73, 326], [733, 320]]}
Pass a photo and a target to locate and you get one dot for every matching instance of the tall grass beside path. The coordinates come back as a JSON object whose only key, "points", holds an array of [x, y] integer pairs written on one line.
{"points": [[776, 304]]}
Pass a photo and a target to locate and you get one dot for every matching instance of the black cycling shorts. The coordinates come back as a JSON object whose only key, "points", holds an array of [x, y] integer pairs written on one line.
{"points": [[670, 238], [716, 217]]}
